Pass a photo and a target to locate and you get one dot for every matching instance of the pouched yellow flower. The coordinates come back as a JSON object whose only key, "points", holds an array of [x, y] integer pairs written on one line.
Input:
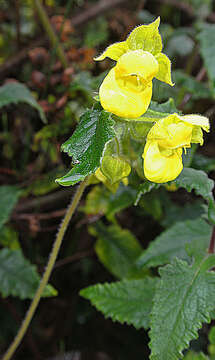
{"points": [[165, 142], [161, 165], [127, 89]]}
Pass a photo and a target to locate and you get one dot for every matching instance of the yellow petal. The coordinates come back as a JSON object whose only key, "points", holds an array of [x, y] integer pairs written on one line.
{"points": [[114, 51], [122, 101], [196, 120], [197, 135], [160, 168], [114, 168], [164, 72], [171, 132], [146, 37], [138, 62]]}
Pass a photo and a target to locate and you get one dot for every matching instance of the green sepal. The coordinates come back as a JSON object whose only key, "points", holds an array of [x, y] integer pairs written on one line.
{"points": [[114, 168]]}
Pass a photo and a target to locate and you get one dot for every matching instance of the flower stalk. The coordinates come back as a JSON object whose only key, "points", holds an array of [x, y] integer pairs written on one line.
{"points": [[54, 253]]}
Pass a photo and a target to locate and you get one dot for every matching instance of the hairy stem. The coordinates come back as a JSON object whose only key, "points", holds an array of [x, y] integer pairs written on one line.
{"points": [[54, 253], [50, 32]]}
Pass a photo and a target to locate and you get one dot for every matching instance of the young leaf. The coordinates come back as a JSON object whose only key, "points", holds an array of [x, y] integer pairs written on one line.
{"points": [[13, 93], [126, 301], [118, 250], [87, 144], [183, 300], [18, 277], [9, 196], [192, 179], [171, 243]]}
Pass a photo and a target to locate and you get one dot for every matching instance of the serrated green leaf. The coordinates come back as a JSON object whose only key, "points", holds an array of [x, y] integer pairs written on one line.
{"points": [[146, 187], [87, 144], [18, 277], [171, 243], [183, 300], [189, 179], [9, 196], [206, 39], [167, 107], [13, 93], [126, 301], [118, 250], [192, 179]]}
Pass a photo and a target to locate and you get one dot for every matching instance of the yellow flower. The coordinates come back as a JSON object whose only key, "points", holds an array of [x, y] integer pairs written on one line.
{"points": [[127, 89], [165, 142]]}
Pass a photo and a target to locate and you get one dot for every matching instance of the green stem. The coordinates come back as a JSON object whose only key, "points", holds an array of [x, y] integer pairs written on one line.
{"points": [[54, 253], [50, 32]]}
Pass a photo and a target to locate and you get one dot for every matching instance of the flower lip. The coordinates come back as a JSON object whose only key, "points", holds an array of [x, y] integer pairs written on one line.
{"points": [[138, 63], [123, 101]]}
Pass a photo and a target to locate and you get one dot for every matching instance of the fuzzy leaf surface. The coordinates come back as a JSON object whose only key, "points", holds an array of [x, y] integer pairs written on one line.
{"points": [[172, 242], [87, 144], [118, 250], [14, 93], [192, 179], [18, 277], [126, 301], [183, 300]]}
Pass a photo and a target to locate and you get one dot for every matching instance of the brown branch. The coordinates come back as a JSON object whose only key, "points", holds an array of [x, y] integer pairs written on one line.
{"points": [[73, 258], [38, 216], [92, 12], [85, 16], [46, 200]]}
